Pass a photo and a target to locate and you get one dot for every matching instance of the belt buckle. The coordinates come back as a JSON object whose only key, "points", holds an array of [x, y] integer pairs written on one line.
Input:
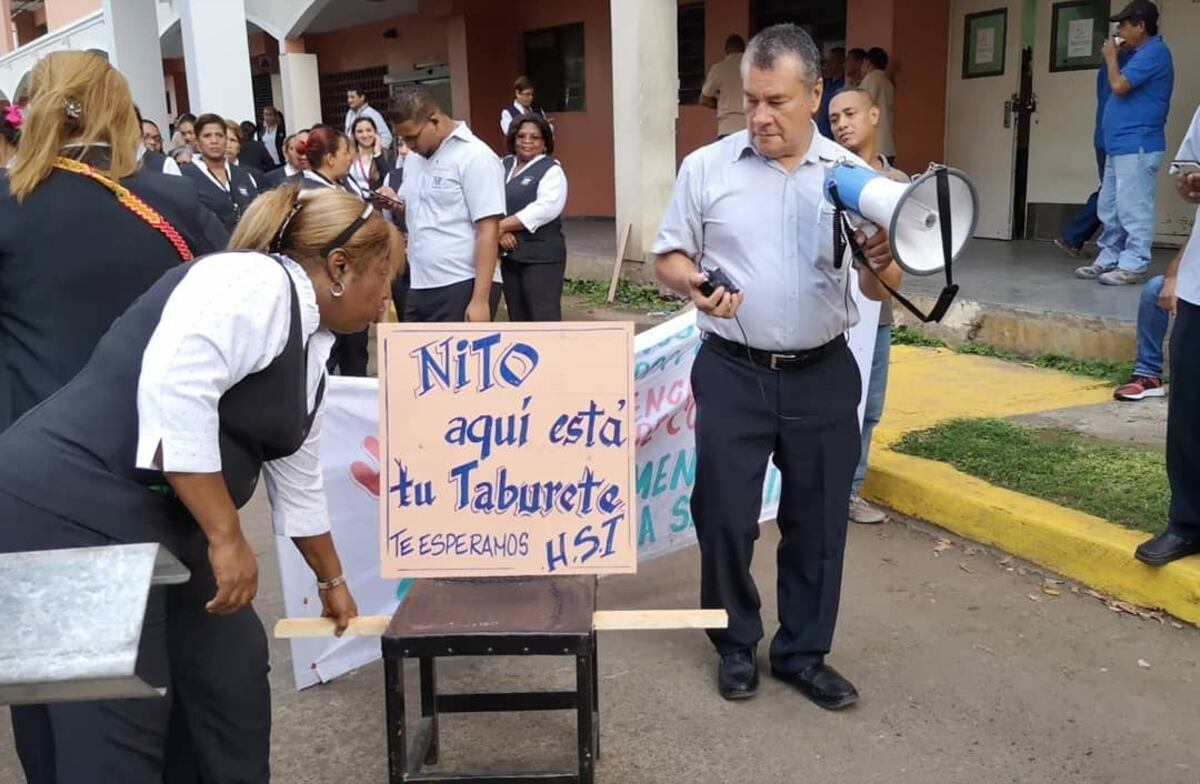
{"points": [[776, 357]]}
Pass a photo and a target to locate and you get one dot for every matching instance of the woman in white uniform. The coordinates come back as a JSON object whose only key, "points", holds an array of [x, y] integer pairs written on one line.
{"points": [[212, 377]]}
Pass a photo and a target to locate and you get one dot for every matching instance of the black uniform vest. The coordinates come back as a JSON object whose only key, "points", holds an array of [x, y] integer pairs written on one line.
{"points": [[227, 205], [75, 453], [546, 245]]}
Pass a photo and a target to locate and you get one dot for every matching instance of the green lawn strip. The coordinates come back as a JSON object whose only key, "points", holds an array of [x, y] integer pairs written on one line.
{"points": [[1122, 484], [630, 296], [1114, 373]]}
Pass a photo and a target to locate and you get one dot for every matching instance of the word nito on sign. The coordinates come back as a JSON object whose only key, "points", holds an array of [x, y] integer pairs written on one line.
{"points": [[507, 450]]}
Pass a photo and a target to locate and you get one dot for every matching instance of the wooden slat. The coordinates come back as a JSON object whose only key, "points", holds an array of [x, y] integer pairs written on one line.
{"points": [[634, 620], [603, 620], [618, 261], [362, 626]]}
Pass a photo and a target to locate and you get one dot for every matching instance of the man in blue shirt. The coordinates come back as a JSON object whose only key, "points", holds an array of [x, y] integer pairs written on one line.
{"points": [[833, 73], [1085, 225], [1135, 140]]}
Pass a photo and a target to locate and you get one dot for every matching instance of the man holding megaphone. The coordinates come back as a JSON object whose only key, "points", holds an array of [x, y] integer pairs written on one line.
{"points": [[749, 237]]}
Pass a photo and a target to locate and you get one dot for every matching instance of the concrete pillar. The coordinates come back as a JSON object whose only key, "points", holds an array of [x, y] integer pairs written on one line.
{"points": [[645, 110], [301, 90], [7, 38], [136, 53], [217, 56]]}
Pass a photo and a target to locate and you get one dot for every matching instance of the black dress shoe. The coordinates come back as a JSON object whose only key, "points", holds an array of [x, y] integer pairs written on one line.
{"points": [[737, 675], [822, 684], [1166, 547]]}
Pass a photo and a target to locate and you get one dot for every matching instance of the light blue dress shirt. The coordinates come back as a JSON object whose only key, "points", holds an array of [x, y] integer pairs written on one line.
{"points": [[771, 232]]}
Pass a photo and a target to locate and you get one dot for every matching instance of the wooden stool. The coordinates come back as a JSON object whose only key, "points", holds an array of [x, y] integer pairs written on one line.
{"points": [[528, 616]]}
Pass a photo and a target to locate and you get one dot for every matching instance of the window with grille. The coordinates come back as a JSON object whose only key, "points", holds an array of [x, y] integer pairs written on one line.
{"points": [[690, 30], [554, 62], [368, 81]]}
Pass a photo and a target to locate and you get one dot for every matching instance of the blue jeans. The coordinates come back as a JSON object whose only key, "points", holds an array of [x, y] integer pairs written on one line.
{"points": [[876, 392], [1084, 225], [1126, 208], [1151, 331]]}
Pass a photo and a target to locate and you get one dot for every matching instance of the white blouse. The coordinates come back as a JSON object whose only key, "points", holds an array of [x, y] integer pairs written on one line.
{"points": [[227, 319]]}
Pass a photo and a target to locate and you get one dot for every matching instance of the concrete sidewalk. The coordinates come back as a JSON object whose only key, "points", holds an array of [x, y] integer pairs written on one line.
{"points": [[927, 386]]}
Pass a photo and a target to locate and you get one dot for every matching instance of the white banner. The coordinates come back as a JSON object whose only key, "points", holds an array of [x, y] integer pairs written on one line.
{"points": [[666, 467]]}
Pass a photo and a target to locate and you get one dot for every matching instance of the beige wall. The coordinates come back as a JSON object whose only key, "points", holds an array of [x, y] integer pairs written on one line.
{"points": [[60, 13]]}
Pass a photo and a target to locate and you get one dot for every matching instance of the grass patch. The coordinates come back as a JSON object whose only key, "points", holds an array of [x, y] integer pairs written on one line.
{"points": [[1114, 373], [903, 336], [631, 296], [1125, 485]]}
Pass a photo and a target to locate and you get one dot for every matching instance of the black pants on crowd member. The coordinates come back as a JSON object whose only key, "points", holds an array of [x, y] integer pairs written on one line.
{"points": [[807, 419], [1183, 423], [350, 353], [533, 292], [214, 722], [445, 303], [400, 287]]}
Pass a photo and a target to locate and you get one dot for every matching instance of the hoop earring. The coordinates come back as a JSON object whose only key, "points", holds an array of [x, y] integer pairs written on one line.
{"points": [[337, 289]]}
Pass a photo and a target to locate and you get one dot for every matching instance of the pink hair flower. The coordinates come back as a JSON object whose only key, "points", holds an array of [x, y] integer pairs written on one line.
{"points": [[13, 115]]}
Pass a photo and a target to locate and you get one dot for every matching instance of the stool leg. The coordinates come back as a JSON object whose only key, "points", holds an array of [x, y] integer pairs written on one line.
{"points": [[429, 704], [397, 740], [596, 693], [585, 684]]}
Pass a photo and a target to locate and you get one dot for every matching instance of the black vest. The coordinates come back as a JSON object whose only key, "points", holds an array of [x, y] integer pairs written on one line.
{"points": [[227, 205], [154, 161], [74, 454], [546, 245]]}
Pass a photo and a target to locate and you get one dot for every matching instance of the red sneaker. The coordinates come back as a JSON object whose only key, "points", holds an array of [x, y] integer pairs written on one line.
{"points": [[1139, 388]]}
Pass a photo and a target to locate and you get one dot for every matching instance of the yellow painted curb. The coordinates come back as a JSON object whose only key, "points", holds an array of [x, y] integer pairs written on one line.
{"points": [[1071, 543]]}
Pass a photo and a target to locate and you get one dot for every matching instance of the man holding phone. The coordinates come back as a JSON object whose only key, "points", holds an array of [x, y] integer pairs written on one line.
{"points": [[1135, 118], [1182, 290]]}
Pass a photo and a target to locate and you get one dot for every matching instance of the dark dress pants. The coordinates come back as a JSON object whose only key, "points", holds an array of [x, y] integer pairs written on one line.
{"points": [[1183, 423], [533, 292], [806, 421], [400, 287], [350, 354], [212, 727], [445, 303]]}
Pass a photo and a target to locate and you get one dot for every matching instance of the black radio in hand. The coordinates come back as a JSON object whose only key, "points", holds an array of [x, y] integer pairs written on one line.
{"points": [[716, 280]]}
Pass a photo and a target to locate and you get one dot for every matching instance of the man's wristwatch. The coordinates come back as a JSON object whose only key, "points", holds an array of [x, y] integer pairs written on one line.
{"points": [[334, 583]]}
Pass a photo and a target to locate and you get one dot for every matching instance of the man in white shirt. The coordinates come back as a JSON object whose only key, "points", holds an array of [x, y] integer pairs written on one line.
{"points": [[360, 108], [453, 193], [522, 104], [1181, 288], [272, 134]]}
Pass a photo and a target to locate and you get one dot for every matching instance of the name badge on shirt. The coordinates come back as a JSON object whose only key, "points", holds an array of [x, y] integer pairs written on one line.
{"points": [[526, 180], [242, 189]]}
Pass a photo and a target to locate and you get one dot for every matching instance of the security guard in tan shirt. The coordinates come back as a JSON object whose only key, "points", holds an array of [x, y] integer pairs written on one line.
{"points": [[722, 89]]}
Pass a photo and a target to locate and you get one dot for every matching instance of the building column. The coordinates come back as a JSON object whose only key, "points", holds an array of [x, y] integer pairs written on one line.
{"points": [[301, 90], [217, 57], [7, 36], [135, 51], [645, 111]]}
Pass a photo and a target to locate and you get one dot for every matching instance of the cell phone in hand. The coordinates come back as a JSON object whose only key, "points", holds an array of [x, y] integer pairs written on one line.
{"points": [[386, 202], [1184, 167]]}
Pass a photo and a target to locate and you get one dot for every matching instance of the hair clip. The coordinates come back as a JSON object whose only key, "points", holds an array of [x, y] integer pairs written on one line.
{"points": [[277, 241], [13, 116], [72, 107]]}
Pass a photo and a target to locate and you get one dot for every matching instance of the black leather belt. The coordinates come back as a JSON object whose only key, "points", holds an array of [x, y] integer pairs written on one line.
{"points": [[774, 360]]}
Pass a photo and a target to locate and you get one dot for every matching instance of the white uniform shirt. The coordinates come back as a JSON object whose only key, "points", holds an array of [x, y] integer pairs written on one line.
{"points": [[382, 128], [771, 232], [227, 319], [268, 141], [551, 195], [444, 195], [1187, 286]]}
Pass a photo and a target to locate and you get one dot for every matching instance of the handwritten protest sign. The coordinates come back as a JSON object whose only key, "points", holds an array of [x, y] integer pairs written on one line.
{"points": [[507, 449]]}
